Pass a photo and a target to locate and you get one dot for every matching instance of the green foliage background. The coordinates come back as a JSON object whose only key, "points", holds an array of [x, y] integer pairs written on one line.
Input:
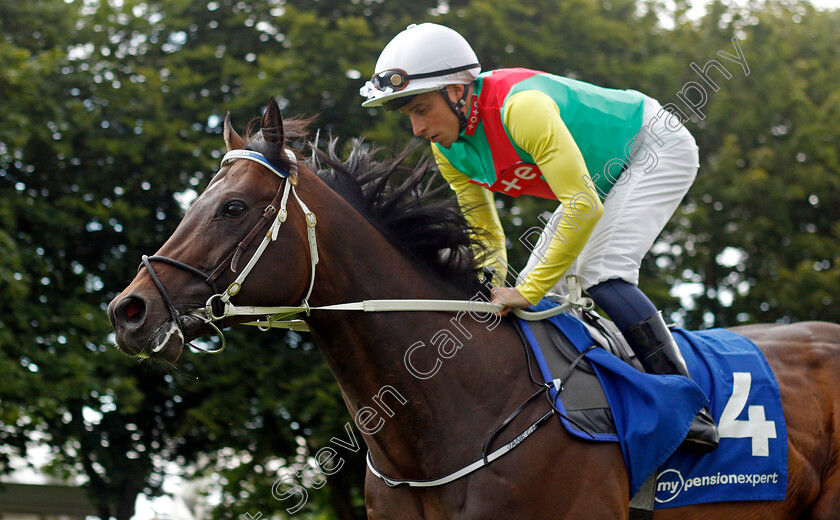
{"points": [[110, 111]]}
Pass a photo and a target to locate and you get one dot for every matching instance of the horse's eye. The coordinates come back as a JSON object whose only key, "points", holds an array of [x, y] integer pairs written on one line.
{"points": [[234, 208]]}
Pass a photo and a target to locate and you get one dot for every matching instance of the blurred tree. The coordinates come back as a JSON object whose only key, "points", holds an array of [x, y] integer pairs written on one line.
{"points": [[758, 233], [60, 378]]}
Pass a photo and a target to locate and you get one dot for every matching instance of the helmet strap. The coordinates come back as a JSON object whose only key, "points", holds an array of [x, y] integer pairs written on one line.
{"points": [[457, 106]]}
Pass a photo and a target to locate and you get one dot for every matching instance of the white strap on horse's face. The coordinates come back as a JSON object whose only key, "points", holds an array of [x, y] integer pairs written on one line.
{"points": [[272, 234], [257, 157]]}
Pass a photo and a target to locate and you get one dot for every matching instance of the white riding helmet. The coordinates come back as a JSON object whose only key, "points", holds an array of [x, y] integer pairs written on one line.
{"points": [[420, 59]]}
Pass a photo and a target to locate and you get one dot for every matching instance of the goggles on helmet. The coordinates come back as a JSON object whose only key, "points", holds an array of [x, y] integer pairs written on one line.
{"points": [[397, 79]]}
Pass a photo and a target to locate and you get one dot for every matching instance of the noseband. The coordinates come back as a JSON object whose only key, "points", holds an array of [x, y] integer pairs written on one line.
{"points": [[218, 305]]}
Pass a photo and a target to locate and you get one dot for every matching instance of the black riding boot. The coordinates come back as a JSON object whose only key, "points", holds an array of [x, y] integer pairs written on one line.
{"points": [[658, 352]]}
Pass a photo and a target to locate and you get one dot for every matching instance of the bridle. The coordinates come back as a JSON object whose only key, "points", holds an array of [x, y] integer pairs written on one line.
{"points": [[218, 306]]}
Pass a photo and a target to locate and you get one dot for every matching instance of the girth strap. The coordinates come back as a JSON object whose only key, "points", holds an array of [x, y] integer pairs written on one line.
{"points": [[480, 463], [510, 417]]}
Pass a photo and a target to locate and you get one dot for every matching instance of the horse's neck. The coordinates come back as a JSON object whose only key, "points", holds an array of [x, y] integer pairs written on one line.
{"points": [[410, 377]]}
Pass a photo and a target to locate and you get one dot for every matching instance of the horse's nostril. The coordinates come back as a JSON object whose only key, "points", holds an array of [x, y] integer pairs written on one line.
{"points": [[133, 310]]}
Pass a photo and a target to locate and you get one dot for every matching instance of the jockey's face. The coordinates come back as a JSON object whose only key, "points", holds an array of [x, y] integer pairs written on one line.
{"points": [[432, 118]]}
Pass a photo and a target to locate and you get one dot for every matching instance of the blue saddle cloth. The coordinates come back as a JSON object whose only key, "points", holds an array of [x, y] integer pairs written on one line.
{"points": [[652, 414]]}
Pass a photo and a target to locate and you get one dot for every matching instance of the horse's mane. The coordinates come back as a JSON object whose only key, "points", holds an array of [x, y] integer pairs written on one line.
{"points": [[410, 205]]}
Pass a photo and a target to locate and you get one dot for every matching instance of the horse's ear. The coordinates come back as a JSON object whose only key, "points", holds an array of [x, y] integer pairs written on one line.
{"points": [[272, 123], [232, 139]]}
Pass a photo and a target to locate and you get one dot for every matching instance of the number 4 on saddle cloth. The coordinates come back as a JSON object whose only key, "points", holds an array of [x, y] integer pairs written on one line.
{"points": [[649, 414]]}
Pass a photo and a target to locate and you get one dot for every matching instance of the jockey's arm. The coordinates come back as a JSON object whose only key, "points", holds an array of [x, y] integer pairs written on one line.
{"points": [[479, 208], [535, 125]]}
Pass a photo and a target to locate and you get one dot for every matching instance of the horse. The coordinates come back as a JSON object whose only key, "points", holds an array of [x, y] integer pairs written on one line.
{"points": [[426, 401]]}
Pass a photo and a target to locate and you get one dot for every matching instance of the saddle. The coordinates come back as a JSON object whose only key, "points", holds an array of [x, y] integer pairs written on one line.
{"points": [[583, 399], [597, 394], [573, 377]]}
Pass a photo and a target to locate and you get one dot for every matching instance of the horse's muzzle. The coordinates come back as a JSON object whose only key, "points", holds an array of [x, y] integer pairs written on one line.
{"points": [[139, 334]]}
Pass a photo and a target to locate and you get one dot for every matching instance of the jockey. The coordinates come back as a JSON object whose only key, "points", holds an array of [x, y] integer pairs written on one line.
{"points": [[618, 163]]}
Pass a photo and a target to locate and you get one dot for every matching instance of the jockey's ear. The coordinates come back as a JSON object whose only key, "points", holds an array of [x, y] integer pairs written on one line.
{"points": [[232, 139]]}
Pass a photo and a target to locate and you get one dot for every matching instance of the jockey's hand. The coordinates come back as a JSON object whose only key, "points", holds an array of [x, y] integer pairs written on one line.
{"points": [[510, 297]]}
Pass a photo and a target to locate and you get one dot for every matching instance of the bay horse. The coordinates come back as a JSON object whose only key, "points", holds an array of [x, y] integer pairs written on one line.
{"points": [[436, 406]]}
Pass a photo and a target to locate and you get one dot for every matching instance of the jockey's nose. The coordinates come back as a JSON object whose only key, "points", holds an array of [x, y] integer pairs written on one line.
{"points": [[417, 126]]}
